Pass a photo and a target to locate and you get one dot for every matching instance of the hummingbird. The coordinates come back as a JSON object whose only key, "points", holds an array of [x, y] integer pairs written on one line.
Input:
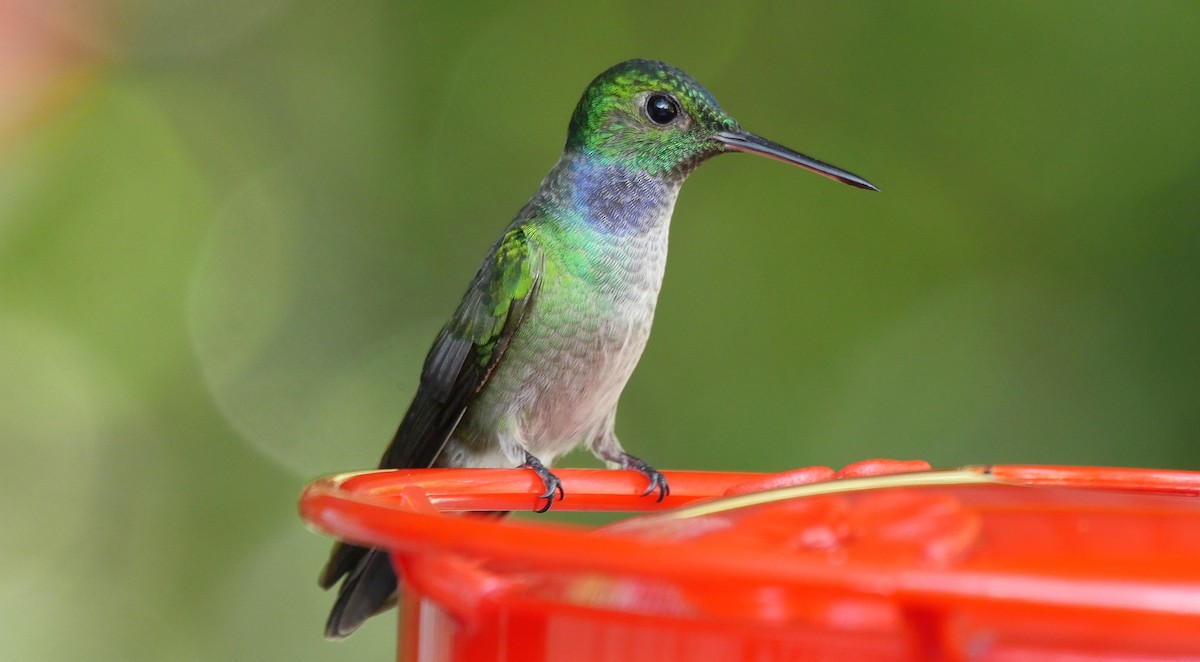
{"points": [[535, 357]]}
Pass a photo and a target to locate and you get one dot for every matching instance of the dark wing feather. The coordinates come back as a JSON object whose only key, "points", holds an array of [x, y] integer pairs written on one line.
{"points": [[467, 350], [462, 359]]}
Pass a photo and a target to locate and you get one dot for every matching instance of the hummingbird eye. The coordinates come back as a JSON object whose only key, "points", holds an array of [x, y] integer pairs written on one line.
{"points": [[661, 109]]}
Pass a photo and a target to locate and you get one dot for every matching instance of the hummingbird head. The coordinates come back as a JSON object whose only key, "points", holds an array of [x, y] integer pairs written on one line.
{"points": [[650, 116]]}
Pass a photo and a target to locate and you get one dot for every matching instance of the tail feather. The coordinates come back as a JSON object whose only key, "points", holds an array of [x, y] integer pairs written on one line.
{"points": [[369, 588], [342, 560]]}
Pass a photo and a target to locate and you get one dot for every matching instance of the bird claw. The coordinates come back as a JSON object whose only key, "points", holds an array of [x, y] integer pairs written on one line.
{"points": [[552, 483], [658, 482]]}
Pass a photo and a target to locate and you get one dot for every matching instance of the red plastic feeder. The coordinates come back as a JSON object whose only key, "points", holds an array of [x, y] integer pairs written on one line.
{"points": [[881, 561]]}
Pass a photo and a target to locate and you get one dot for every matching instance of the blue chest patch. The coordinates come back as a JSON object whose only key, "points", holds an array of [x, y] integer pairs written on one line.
{"points": [[617, 200]]}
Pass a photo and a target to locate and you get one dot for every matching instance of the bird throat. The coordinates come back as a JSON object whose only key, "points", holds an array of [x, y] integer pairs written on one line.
{"points": [[613, 199]]}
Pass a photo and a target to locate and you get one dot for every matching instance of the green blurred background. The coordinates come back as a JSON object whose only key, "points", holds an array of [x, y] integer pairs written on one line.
{"points": [[230, 229]]}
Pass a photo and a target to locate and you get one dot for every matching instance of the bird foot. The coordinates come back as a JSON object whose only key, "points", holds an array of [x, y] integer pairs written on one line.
{"points": [[552, 483], [658, 482]]}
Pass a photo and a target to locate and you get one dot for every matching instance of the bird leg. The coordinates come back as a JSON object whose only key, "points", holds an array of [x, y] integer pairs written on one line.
{"points": [[613, 453], [552, 483]]}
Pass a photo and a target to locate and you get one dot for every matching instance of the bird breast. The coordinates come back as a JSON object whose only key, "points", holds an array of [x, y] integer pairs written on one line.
{"points": [[592, 335], [567, 364]]}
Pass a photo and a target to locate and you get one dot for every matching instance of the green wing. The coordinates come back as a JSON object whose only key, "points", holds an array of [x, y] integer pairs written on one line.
{"points": [[468, 349], [462, 359]]}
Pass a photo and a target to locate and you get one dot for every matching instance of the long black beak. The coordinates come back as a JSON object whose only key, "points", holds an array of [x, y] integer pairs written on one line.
{"points": [[744, 141]]}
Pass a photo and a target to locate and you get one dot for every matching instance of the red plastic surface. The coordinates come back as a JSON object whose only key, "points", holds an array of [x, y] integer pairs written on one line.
{"points": [[987, 563]]}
